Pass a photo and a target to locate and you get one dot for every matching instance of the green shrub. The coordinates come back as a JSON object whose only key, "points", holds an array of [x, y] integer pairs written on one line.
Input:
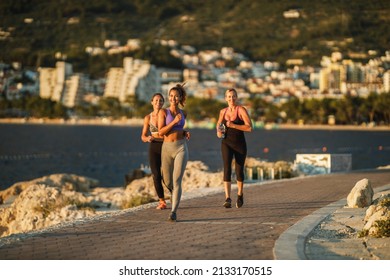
{"points": [[137, 200], [52, 205], [385, 202], [363, 233], [46, 208], [383, 228]]}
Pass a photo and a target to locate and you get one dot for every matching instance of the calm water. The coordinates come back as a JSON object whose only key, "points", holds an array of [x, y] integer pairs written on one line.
{"points": [[108, 153]]}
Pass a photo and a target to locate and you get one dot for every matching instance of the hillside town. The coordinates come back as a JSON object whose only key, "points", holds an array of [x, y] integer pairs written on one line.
{"points": [[207, 75]]}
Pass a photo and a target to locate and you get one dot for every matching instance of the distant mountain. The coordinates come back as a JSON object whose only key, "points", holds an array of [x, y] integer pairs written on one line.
{"points": [[33, 31]]}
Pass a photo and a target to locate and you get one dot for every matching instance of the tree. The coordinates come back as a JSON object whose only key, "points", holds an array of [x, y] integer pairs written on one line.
{"points": [[315, 113], [292, 108], [39, 107], [382, 106], [110, 106], [258, 108], [200, 108], [59, 111], [272, 113], [367, 109]]}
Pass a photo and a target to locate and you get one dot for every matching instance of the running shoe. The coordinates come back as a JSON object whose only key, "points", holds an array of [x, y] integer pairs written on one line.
{"points": [[228, 203], [240, 201], [172, 217], [162, 205]]}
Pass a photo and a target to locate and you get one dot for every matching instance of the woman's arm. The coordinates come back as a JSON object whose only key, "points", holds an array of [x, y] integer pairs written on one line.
{"points": [[144, 135], [243, 114], [220, 119], [186, 133], [161, 121], [163, 128]]}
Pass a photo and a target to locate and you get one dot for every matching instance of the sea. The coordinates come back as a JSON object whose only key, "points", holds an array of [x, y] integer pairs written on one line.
{"points": [[110, 152]]}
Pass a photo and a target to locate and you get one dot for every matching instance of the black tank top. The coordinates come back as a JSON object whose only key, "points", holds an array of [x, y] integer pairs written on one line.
{"points": [[233, 137]]}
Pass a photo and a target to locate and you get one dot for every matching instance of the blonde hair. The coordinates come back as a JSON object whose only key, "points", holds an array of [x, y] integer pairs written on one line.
{"points": [[231, 90]]}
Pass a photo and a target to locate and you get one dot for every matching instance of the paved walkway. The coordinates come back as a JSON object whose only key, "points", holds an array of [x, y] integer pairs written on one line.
{"points": [[204, 230]]}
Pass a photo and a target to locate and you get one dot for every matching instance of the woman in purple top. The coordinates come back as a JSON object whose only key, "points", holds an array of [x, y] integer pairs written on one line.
{"points": [[174, 154]]}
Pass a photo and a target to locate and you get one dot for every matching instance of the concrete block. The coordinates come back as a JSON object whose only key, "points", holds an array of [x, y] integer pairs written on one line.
{"points": [[312, 164]]}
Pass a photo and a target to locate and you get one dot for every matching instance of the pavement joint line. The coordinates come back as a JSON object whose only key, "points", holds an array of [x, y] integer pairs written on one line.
{"points": [[209, 222], [291, 243]]}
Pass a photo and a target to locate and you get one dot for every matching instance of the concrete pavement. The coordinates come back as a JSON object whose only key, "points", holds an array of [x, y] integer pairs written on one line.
{"points": [[277, 221]]}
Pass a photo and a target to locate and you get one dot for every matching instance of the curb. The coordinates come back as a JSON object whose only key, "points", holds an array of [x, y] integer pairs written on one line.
{"points": [[291, 243]]}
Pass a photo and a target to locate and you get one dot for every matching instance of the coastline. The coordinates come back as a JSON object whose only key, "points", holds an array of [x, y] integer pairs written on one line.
{"points": [[92, 121], [202, 124]]}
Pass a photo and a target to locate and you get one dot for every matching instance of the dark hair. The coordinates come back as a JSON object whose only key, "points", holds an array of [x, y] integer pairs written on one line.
{"points": [[157, 94], [183, 94]]}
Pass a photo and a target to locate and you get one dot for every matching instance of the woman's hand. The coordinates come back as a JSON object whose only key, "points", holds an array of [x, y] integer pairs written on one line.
{"points": [[177, 118], [220, 128], [230, 124]]}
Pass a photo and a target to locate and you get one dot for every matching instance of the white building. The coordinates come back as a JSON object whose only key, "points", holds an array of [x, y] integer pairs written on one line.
{"points": [[332, 78], [114, 82], [61, 85], [74, 90], [52, 80], [137, 78], [386, 81], [111, 43], [134, 44], [291, 14]]}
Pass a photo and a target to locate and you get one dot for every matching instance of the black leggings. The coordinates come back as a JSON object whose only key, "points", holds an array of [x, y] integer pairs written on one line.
{"points": [[239, 155], [155, 167]]}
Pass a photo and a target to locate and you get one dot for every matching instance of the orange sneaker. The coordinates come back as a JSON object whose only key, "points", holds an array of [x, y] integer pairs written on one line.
{"points": [[162, 205]]}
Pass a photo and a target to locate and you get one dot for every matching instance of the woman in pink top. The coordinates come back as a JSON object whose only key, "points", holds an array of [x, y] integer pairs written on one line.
{"points": [[233, 121]]}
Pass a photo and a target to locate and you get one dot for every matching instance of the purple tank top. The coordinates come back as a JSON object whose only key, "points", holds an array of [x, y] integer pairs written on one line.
{"points": [[170, 118]]}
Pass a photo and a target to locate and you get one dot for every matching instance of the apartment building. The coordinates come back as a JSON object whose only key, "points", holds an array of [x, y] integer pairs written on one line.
{"points": [[114, 82], [74, 90], [332, 77], [52, 80], [137, 78], [60, 84], [386, 81]]}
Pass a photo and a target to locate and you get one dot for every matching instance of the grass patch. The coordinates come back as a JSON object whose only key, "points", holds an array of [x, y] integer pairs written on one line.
{"points": [[52, 205], [383, 228], [137, 200], [363, 233], [385, 202]]}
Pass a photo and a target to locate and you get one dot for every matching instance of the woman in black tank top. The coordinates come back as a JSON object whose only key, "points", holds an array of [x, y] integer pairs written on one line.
{"points": [[233, 121]]}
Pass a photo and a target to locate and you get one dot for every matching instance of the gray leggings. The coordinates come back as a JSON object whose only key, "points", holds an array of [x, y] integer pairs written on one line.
{"points": [[174, 157]]}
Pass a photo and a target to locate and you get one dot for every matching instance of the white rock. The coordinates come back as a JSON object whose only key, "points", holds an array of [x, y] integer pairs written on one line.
{"points": [[361, 194]]}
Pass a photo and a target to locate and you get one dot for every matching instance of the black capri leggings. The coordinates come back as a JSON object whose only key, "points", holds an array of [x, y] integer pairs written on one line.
{"points": [[239, 155], [155, 166]]}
